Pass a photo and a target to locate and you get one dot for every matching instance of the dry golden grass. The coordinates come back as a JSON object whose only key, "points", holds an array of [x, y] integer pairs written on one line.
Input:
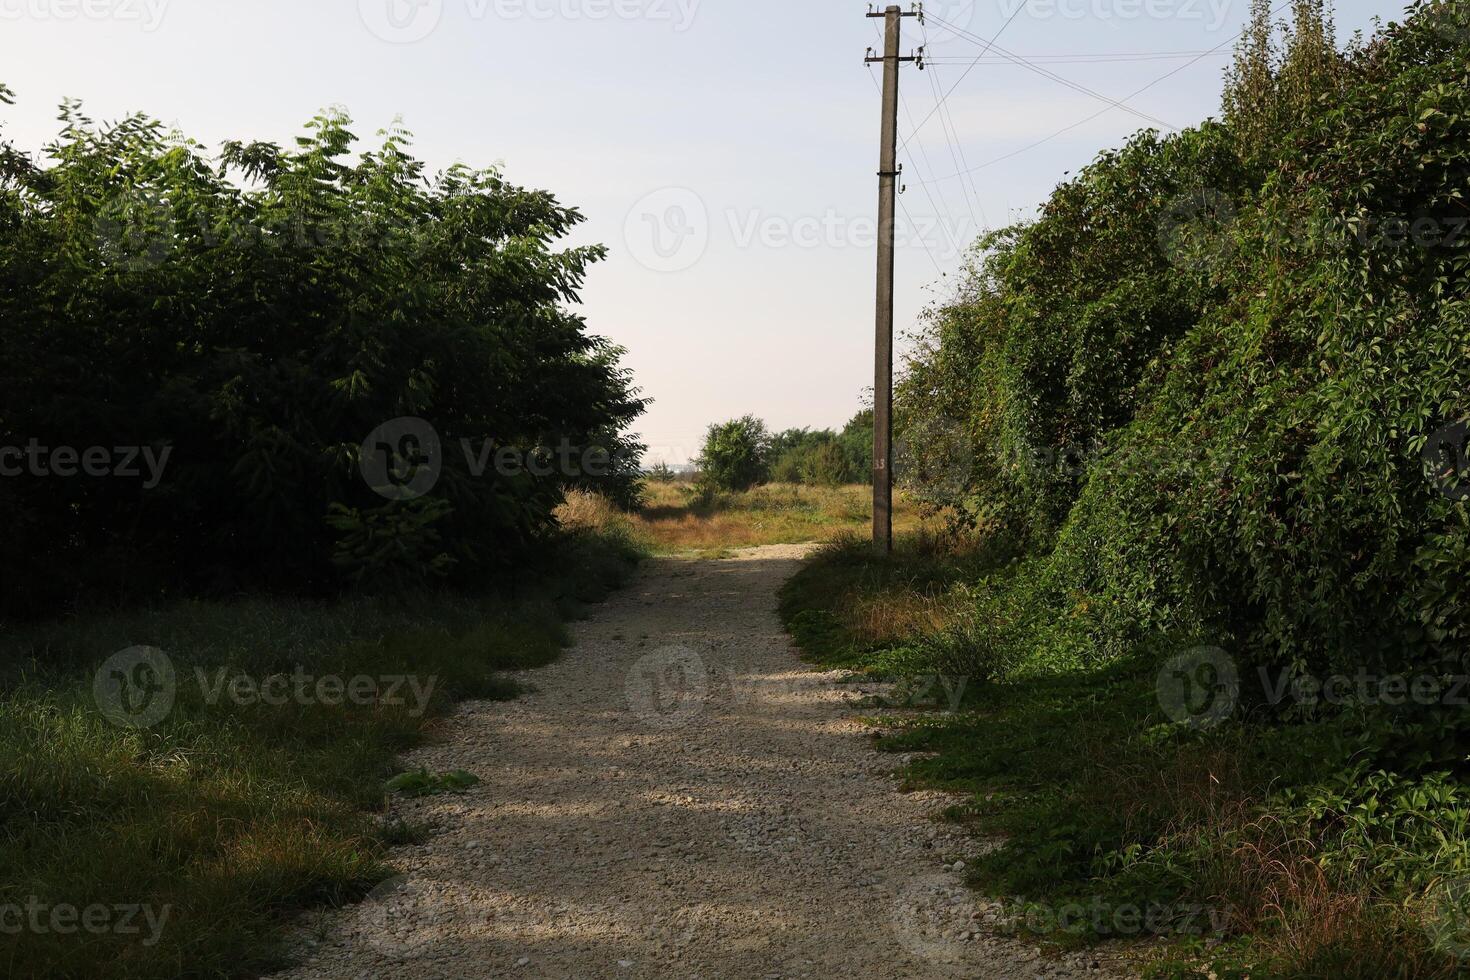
{"points": [[677, 518], [889, 618], [585, 511]]}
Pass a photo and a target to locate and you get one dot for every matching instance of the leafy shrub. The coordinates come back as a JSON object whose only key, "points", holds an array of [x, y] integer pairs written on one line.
{"points": [[255, 315], [661, 473], [822, 457], [1197, 390], [736, 454], [826, 465]]}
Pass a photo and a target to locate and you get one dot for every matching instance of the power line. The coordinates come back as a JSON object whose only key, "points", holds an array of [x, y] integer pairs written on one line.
{"points": [[957, 149], [924, 152], [963, 75], [914, 224], [952, 137], [1044, 73], [927, 192], [1083, 58], [1082, 122]]}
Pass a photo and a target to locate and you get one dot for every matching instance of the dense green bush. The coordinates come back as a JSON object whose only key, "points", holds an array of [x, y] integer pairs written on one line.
{"points": [[807, 456], [736, 454], [1198, 389], [823, 457], [256, 315]]}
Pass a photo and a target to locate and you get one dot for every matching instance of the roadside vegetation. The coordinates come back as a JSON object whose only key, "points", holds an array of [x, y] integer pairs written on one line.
{"points": [[259, 791], [743, 453], [343, 370], [1206, 569]]}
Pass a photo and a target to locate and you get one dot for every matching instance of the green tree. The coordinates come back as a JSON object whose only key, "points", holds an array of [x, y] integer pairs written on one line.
{"points": [[826, 465], [736, 454], [258, 312]]}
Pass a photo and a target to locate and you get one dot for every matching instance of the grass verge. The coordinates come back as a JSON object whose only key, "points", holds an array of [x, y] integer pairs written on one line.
{"points": [[178, 847], [1327, 845]]}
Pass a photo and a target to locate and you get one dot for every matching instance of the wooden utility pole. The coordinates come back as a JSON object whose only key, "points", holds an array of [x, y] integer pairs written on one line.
{"points": [[888, 174]]}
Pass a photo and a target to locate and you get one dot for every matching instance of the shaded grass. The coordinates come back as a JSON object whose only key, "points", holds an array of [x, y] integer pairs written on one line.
{"points": [[1259, 848], [226, 815]]}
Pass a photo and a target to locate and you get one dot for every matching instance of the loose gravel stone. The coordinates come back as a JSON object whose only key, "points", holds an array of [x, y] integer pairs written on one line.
{"points": [[693, 804]]}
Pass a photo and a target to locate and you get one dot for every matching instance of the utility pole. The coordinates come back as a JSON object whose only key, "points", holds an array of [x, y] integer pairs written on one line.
{"points": [[888, 174]]}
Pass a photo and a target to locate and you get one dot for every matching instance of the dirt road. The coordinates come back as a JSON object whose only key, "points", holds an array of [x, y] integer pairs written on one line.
{"points": [[678, 798]]}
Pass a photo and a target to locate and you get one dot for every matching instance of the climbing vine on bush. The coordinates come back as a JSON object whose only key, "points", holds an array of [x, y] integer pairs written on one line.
{"points": [[1197, 391]]}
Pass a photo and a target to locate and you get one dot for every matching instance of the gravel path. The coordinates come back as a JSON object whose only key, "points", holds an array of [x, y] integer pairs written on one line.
{"points": [[678, 798]]}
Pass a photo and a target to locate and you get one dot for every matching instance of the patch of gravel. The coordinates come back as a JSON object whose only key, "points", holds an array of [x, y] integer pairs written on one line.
{"points": [[679, 797]]}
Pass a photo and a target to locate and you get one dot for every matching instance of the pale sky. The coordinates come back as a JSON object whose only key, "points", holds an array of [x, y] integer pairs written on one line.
{"points": [[725, 150]]}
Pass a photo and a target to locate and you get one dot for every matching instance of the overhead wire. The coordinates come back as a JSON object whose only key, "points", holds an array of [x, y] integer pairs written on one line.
{"points": [[904, 207], [1077, 58], [963, 75], [1053, 76], [1134, 94], [923, 151], [952, 136]]}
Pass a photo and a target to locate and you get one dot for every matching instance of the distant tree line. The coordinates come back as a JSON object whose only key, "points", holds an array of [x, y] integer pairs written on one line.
{"points": [[743, 453]]}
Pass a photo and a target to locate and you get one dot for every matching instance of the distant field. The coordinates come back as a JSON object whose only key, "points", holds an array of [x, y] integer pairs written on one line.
{"points": [[678, 518]]}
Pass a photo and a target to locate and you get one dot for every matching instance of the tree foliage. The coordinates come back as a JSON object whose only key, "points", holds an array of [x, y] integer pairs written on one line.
{"points": [[257, 313], [1199, 389], [736, 454]]}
